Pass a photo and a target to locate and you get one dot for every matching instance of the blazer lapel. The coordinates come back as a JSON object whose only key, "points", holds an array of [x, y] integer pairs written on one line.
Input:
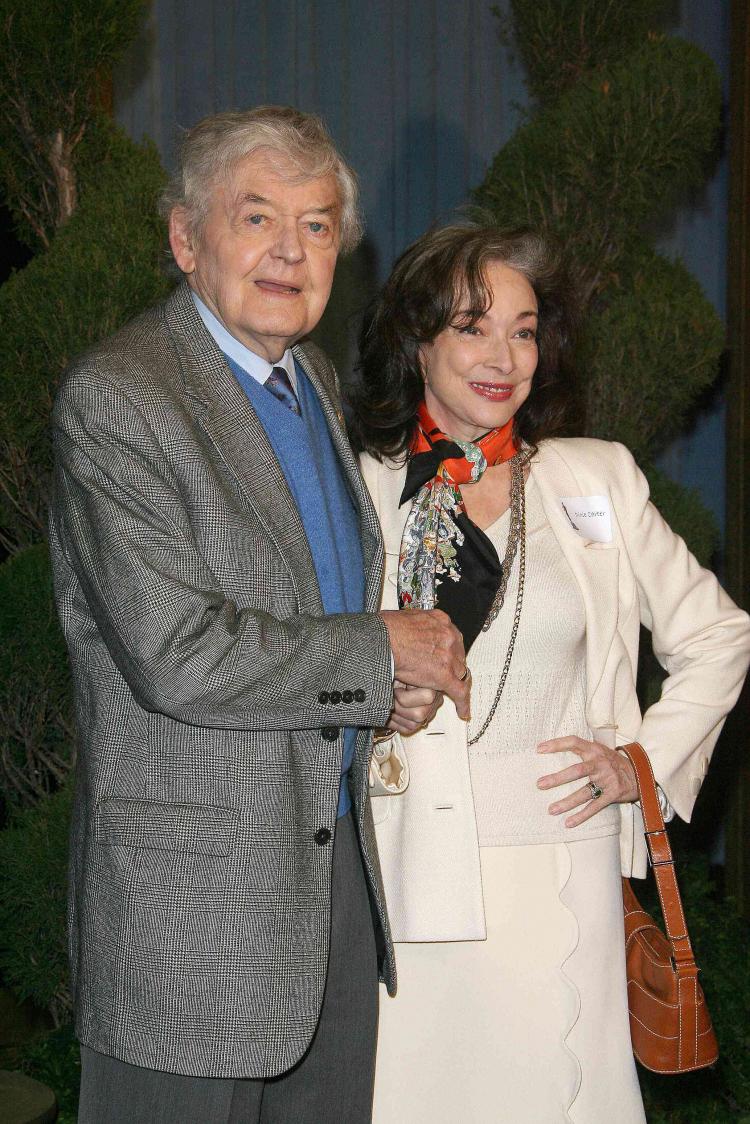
{"points": [[393, 517], [595, 567], [222, 410]]}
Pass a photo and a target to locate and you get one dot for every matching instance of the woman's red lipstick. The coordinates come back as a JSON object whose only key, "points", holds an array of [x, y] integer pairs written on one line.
{"points": [[495, 392]]}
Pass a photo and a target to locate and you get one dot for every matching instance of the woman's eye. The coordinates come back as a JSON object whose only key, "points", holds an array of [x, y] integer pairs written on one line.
{"points": [[317, 228], [469, 330], [256, 220], [526, 334]]}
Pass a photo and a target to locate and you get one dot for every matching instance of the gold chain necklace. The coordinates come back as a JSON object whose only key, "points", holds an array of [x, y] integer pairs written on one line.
{"points": [[516, 544]]}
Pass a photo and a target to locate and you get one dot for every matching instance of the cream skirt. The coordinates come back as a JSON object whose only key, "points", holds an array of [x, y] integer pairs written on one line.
{"points": [[529, 1026]]}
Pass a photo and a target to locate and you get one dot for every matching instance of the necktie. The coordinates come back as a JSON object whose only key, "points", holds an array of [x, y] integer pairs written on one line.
{"points": [[279, 383]]}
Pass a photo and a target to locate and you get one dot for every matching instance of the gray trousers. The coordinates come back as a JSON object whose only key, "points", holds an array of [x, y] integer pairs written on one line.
{"points": [[331, 1084]]}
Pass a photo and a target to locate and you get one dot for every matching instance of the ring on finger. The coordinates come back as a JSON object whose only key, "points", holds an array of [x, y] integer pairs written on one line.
{"points": [[595, 790], [465, 675]]}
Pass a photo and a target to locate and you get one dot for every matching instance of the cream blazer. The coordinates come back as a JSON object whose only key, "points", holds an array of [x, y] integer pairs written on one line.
{"points": [[427, 836]]}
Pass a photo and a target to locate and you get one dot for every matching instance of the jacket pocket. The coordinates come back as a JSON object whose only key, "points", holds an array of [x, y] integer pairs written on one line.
{"points": [[147, 824]]}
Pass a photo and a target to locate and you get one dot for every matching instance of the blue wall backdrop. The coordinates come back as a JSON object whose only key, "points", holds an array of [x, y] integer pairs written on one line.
{"points": [[419, 95]]}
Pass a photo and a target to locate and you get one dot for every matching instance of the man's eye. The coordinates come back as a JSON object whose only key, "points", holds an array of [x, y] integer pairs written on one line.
{"points": [[317, 227], [256, 220]]}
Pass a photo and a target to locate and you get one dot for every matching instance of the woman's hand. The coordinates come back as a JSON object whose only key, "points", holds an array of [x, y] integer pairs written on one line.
{"points": [[603, 769], [413, 708]]}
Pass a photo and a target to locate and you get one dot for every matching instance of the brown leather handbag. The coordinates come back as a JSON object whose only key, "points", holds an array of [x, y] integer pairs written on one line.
{"points": [[670, 1026]]}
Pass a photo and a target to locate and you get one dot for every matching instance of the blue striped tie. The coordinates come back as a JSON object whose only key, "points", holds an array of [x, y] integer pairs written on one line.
{"points": [[279, 383]]}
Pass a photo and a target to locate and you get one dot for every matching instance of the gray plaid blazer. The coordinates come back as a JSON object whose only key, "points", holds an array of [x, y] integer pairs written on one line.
{"points": [[200, 878]]}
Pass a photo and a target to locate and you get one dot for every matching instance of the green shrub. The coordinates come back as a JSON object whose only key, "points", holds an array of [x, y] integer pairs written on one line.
{"points": [[560, 42], [33, 886], [611, 154], [55, 56], [36, 726], [102, 267], [649, 347], [55, 1060]]}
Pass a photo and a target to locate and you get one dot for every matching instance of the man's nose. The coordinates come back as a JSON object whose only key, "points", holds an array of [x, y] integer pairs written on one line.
{"points": [[288, 244]]}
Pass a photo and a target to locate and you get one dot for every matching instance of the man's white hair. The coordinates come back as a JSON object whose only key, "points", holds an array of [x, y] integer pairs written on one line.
{"points": [[210, 150]]}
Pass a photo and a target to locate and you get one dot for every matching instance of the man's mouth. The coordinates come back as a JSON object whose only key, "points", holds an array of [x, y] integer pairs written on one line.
{"points": [[278, 287], [495, 392]]}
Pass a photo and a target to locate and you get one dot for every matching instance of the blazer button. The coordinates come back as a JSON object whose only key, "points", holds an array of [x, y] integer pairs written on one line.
{"points": [[323, 698], [322, 836], [335, 697], [330, 733], [360, 695], [347, 697]]}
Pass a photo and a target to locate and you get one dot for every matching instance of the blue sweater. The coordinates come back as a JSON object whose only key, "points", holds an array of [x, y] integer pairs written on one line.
{"points": [[311, 466]]}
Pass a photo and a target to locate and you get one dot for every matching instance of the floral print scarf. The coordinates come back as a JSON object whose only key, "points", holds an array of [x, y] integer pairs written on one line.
{"points": [[447, 562]]}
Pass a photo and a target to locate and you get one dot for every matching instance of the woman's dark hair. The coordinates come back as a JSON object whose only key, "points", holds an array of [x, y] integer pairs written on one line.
{"points": [[433, 284]]}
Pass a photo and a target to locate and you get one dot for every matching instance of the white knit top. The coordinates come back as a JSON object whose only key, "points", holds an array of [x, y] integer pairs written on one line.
{"points": [[544, 696]]}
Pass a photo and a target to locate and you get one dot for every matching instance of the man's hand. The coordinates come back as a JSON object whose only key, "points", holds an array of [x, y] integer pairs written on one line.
{"points": [[428, 651], [413, 707]]}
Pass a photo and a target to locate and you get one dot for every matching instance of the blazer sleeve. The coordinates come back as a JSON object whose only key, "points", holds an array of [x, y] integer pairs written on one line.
{"points": [[184, 648], [700, 637]]}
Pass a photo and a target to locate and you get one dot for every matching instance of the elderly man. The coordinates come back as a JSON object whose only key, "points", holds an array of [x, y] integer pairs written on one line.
{"points": [[218, 567]]}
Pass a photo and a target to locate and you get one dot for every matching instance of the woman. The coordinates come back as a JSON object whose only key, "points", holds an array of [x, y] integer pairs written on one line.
{"points": [[502, 840]]}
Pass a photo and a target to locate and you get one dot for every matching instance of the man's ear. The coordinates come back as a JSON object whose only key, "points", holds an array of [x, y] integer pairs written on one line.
{"points": [[181, 239]]}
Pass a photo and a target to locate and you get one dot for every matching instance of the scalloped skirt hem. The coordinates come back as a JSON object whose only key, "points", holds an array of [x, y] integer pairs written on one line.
{"points": [[529, 1026]]}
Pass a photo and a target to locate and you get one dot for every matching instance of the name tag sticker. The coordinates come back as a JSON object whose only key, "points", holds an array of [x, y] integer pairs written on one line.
{"points": [[589, 516]]}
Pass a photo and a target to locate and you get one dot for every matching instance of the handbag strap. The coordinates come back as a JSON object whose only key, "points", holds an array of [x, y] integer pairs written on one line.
{"points": [[660, 854]]}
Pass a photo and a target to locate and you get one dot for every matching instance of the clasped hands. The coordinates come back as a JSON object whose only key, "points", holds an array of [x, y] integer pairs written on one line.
{"points": [[607, 773], [428, 662]]}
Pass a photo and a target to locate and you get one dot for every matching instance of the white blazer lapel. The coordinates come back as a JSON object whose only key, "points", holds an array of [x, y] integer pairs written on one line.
{"points": [[595, 567], [385, 484]]}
